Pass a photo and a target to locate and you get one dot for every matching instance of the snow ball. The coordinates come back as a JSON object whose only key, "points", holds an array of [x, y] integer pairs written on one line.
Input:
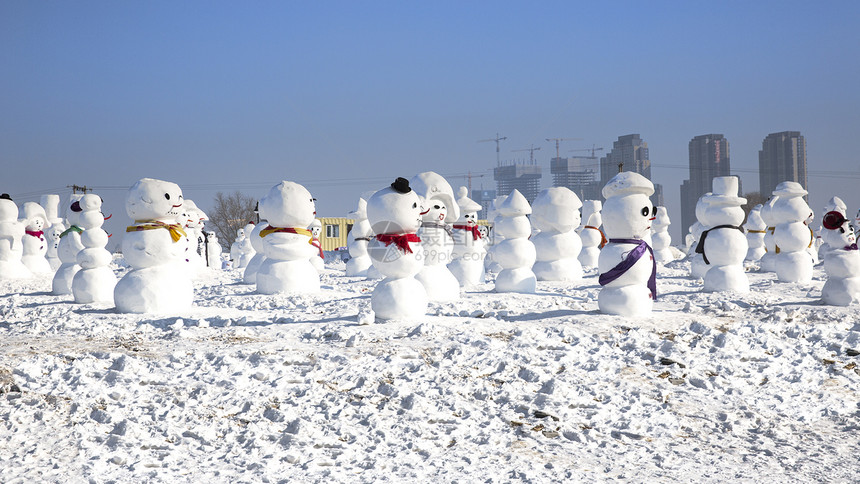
{"points": [[120, 461]]}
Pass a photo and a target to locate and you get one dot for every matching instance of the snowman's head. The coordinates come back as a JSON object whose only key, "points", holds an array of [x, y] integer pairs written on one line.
{"points": [[316, 228], [470, 218], [361, 210], [435, 190], [662, 218], [150, 199], [485, 231], [836, 204], [288, 204], [240, 234], [435, 210], [256, 240], [628, 212], [91, 215], [395, 209], [754, 220], [8, 209], [33, 216], [790, 206], [556, 209], [468, 208], [590, 213], [838, 231], [767, 210]]}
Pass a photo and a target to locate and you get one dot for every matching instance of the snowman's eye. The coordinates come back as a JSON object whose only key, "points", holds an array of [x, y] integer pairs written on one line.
{"points": [[645, 211], [437, 207], [414, 205], [653, 211], [167, 196], [842, 230]]}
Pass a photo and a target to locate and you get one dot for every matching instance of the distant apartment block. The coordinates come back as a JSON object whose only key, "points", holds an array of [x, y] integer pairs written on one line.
{"points": [[709, 158], [580, 174], [782, 158], [629, 153], [520, 176]]}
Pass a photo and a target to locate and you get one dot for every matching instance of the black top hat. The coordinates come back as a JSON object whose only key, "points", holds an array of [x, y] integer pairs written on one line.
{"points": [[401, 185], [5, 196]]}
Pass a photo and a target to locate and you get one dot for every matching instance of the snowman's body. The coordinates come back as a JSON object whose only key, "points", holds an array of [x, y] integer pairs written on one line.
{"points": [[515, 254], [95, 281], [250, 274], [289, 209], [755, 231], [626, 265], [213, 250], [660, 238], [67, 251], [11, 233], [725, 244], [438, 208], [244, 250], [191, 219], [491, 265], [356, 242], [698, 267], [34, 244], [395, 216], [842, 263], [53, 238], [793, 263], [555, 212], [158, 281], [768, 259], [469, 243], [590, 234]]}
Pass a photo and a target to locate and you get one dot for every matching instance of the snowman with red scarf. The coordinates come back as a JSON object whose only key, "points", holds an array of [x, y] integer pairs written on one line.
{"points": [[469, 251], [155, 249], [842, 261], [626, 265], [34, 242], [318, 259], [394, 214], [289, 209]]}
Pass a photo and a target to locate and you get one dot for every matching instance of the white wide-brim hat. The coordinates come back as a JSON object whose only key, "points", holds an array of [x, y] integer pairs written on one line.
{"points": [[725, 192], [628, 183], [789, 189]]}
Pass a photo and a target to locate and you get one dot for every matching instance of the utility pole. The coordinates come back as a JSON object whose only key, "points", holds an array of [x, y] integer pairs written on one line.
{"points": [[75, 188], [496, 139]]}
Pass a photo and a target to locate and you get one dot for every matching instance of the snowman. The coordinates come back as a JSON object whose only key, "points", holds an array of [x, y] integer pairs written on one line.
{"points": [[193, 222], [394, 214], [287, 243], [724, 245], [235, 251], [590, 234], [242, 251], [555, 213], [158, 281], [491, 266], [34, 242], [755, 230], [67, 250], [835, 204], [95, 281], [468, 254], [437, 238], [515, 254], [842, 262], [213, 250], [626, 265], [660, 238], [356, 242], [318, 259], [51, 205], [11, 233], [792, 236], [188, 220], [250, 274], [766, 263], [698, 266]]}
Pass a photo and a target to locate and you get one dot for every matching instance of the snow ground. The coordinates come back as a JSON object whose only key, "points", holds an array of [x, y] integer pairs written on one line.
{"points": [[761, 387]]}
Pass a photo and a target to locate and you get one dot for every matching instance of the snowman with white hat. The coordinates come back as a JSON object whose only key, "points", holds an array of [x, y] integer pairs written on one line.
{"points": [[767, 261], [724, 245], [469, 251], [660, 238], [436, 234], [516, 253], [755, 230], [792, 235], [590, 234], [628, 271]]}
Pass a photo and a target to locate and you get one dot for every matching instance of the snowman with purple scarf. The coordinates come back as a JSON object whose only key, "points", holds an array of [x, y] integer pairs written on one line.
{"points": [[626, 264]]}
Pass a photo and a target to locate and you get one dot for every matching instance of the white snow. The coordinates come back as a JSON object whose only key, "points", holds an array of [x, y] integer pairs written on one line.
{"points": [[497, 387]]}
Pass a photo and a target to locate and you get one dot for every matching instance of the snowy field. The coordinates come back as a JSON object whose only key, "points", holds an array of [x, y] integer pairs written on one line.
{"points": [[761, 387]]}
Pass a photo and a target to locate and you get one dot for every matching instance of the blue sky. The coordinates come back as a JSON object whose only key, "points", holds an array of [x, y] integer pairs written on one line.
{"points": [[344, 96]]}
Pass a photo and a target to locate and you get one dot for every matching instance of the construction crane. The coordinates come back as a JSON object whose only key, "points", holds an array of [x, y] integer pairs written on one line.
{"points": [[557, 140], [592, 150], [531, 153], [468, 176], [496, 139]]}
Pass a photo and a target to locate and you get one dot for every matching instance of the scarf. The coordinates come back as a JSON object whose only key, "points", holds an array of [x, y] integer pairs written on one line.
{"points": [[476, 234], [316, 243], [289, 230], [851, 247], [34, 233], [445, 227], [602, 236], [756, 231], [700, 248], [632, 257], [73, 228], [175, 230], [401, 240]]}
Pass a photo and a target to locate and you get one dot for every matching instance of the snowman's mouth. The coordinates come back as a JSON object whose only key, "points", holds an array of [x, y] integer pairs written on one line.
{"points": [[425, 212], [177, 206]]}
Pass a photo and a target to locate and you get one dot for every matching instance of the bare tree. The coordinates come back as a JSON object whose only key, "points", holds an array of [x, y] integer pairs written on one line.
{"points": [[231, 213]]}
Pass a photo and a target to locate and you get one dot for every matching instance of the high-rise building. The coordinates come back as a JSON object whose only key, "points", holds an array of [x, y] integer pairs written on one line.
{"points": [[521, 176], [709, 157], [782, 158], [630, 153], [580, 174], [485, 198]]}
